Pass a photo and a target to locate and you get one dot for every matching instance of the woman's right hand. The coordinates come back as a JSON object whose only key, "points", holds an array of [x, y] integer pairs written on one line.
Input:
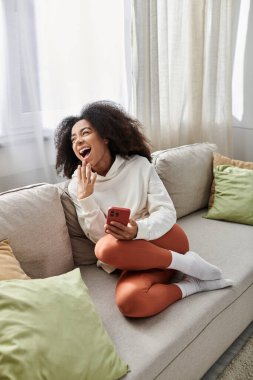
{"points": [[85, 181]]}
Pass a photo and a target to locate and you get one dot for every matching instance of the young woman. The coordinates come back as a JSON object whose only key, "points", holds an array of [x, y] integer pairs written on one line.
{"points": [[108, 159]]}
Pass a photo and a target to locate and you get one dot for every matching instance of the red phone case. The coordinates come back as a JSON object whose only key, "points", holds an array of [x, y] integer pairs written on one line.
{"points": [[118, 214]]}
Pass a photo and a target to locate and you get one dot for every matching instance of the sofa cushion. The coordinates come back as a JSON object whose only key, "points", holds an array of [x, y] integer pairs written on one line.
{"points": [[82, 247], [33, 221], [233, 197], [50, 330], [186, 172], [219, 159], [9, 265]]}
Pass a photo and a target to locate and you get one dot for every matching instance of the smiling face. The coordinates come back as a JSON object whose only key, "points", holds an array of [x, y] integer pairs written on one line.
{"points": [[90, 147]]}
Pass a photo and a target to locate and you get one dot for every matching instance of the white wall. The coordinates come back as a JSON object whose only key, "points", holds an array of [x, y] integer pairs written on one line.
{"points": [[243, 143], [13, 160], [243, 86]]}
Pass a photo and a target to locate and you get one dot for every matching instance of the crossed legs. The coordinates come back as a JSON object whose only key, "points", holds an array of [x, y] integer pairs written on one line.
{"points": [[143, 288]]}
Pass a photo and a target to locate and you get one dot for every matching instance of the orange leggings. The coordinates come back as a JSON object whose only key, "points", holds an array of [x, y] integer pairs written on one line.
{"points": [[143, 289]]}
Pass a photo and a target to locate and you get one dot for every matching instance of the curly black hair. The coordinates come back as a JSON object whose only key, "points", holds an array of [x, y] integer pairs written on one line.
{"points": [[112, 122]]}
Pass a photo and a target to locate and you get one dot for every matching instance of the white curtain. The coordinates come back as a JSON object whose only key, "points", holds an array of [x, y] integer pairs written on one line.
{"points": [[182, 71], [55, 56]]}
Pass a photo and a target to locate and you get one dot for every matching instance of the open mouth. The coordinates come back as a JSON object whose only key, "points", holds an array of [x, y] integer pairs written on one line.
{"points": [[85, 152]]}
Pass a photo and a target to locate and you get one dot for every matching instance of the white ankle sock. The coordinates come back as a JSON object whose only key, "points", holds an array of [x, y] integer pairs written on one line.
{"points": [[190, 285], [193, 265]]}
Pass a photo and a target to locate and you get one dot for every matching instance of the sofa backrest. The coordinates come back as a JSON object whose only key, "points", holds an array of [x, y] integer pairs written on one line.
{"points": [[33, 221], [187, 173]]}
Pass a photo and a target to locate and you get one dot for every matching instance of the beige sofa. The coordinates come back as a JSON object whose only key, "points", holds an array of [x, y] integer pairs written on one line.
{"points": [[181, 342]]}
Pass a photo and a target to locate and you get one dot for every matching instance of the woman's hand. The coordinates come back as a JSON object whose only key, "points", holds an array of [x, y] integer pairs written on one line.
{"points": [[85, 182], [121, 232]]}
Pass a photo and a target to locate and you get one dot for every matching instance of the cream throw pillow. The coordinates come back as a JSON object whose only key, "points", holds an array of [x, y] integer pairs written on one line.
{"points": [[186, 172], [10, 268]]}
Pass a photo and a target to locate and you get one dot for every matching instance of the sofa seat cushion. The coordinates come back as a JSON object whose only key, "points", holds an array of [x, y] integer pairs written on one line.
{"points": [[151, 345], [32, 219]]}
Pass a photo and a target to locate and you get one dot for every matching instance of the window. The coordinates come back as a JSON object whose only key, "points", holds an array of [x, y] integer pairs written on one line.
{"points": [[58, 55]]}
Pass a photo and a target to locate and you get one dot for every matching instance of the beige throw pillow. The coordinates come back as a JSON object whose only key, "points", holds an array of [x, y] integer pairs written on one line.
{"points": [[186, 172], [82, 247], [218, 159], [10, 268]]}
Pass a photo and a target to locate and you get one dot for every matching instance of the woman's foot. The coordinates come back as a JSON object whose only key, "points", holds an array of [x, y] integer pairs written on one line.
{"points": [[193, 265], [190, 285]]}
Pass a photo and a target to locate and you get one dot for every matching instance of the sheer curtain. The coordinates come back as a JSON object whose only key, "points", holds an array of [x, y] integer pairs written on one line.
{"points": [[55, 56], [182, 71]]}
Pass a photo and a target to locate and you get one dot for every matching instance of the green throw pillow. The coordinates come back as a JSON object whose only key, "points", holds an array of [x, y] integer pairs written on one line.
{"points": [[51, 330], [233, 197]]}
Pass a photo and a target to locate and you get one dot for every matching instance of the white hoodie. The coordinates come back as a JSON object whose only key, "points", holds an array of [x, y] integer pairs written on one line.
{"points": [[131, 183]]}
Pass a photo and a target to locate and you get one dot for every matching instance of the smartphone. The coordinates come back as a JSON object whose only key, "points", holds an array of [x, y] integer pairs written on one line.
{"points": [[118, 214]]}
